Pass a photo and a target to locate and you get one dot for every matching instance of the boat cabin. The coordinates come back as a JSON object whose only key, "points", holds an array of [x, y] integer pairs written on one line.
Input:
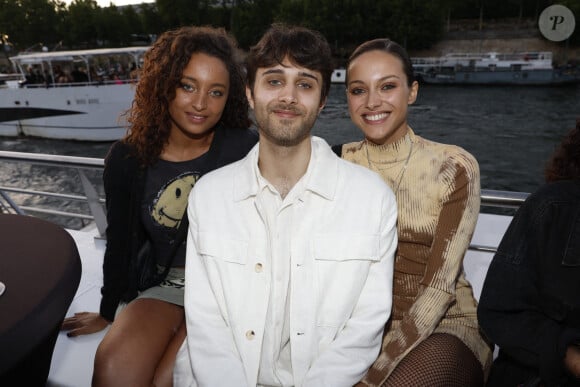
{"points": [[79, 67]]}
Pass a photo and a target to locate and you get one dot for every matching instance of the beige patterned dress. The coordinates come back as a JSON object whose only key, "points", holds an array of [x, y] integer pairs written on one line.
{"points": [[438, 196]]}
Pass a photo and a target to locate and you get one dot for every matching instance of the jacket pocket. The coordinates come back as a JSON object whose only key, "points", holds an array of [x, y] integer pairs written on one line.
{"points": [[337, 247], [225, 261], [223, 248], [342, 264]]}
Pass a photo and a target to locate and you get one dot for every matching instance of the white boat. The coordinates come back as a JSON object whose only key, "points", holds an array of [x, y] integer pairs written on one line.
{"points": [[72, 360], [493, 68], [69, 95]]}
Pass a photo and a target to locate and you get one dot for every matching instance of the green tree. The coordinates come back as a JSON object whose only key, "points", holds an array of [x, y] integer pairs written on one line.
{"points": [[42, 19], [415, 24], [133, 21], [112, 27], [252, 19], [149, 16], [177, 13], [30, 22], [82, 22], [11, 22]]}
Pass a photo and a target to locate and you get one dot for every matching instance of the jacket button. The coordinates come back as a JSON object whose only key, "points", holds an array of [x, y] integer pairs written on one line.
{"points": [[250, 335], [258, 268]]}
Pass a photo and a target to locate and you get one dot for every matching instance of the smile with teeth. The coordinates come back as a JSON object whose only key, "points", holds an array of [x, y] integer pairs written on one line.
{"points": [[196, 117], [375, 117]]}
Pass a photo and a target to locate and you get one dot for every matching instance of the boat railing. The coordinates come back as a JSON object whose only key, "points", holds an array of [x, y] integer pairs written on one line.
{"points": [[43, 85], [92, 195], [18, 197], [502, 199]]}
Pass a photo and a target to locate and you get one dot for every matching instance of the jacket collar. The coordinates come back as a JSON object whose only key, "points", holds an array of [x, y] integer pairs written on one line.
{"points": [[322, 172]]}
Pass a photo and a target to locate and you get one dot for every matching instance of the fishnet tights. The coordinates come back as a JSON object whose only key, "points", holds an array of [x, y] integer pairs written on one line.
{"points": [[441, 360]]}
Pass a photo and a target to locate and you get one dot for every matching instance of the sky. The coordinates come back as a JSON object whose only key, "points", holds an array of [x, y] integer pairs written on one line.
{"points": [[105, 3]]}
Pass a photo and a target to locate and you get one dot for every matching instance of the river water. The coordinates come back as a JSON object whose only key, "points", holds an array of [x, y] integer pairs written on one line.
{"points": [[510, 130]]}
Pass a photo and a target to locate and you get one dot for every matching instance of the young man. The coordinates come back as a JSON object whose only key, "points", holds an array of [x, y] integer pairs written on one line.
{"points": [[290, 251]]}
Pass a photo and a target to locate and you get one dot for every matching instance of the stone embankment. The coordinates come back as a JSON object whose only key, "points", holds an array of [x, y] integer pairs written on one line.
{"points": [[504, 37]]}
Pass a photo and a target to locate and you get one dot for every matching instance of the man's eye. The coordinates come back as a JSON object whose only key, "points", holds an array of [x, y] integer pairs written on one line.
{"points": [[305, 85], [275, 82]]}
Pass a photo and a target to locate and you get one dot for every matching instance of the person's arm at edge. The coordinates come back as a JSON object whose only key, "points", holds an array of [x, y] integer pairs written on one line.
{"points": [[117, 203], [116, 260], [508, 312]]}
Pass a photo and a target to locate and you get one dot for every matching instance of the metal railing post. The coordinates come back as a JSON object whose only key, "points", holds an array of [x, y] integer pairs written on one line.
{"points": [[94, 205]]}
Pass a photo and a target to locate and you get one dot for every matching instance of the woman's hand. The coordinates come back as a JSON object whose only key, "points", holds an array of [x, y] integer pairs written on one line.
{"points": [[572, 360], [83, 323]]}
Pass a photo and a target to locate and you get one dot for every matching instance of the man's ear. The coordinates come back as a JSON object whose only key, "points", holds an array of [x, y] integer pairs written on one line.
{"points": [[250, 97], [322, 104]]}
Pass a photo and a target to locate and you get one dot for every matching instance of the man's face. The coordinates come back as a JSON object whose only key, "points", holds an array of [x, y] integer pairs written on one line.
{"points": [[286, 100]]}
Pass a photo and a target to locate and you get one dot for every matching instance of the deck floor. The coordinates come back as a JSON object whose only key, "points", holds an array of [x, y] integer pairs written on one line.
{"points": [[72, 360]]}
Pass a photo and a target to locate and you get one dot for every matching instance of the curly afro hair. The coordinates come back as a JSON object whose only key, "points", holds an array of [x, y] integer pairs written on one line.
{"points": [[148, 117], [565, 162]]}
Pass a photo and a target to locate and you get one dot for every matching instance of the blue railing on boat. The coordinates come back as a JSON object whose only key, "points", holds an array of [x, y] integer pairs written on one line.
{"points": [[94, 200]]}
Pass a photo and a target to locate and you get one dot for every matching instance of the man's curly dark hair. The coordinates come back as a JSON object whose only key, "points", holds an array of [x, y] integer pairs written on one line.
{"points": [[148, 117], [302, 46], [565, 161]]}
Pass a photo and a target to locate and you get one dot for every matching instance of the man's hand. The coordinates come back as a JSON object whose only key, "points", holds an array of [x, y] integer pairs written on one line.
{"points": [[83, 323]]}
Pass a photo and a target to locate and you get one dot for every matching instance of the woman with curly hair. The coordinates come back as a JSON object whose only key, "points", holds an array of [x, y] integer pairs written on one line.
{"points": [[530, 302], [189, 116]]}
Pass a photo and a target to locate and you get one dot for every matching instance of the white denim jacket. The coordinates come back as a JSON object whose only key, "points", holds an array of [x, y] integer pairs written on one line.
{"points": [[342, 254]]}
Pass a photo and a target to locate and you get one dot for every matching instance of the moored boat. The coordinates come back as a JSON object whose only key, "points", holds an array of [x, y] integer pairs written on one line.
{"points": [[492, 68], [70, 95]]}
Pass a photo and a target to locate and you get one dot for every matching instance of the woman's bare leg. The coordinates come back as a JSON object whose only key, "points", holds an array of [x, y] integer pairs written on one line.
{"points": [[164, 373], [136, 342]]}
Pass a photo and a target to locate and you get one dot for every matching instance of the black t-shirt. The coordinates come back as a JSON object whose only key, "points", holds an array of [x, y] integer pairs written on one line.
{"points": [[167, 187], [168, 184]]}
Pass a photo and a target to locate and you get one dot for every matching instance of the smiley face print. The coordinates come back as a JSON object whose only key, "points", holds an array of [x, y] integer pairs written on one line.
{"points": [[169, 206]]}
